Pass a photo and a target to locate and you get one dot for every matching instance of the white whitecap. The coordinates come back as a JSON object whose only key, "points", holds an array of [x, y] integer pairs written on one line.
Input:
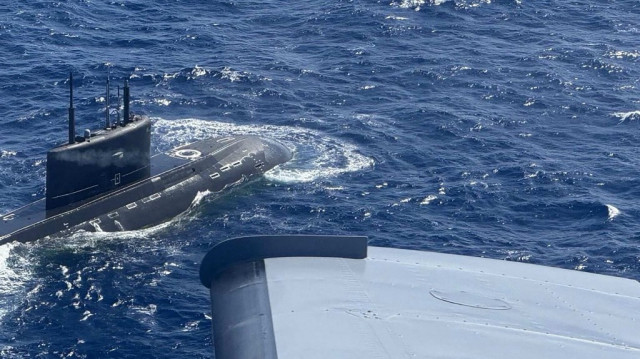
{"points": [[197, 72], [620, 54], [417, 4], [316, 155], [613, 212], [394, 17], [334, 188], [150, 309], [428, 199], [232, 75], [5, 153], [162, 101], [627, 116]]}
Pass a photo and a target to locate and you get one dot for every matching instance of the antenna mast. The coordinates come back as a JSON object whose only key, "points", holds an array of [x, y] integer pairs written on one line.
{"points": [[108, 115], [72, 114], [118, 112], [126, 115]]}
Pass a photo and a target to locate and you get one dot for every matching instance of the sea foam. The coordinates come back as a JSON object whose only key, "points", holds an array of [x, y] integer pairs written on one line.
{"points": [[627, 116], [12, 279], [316, 155]]}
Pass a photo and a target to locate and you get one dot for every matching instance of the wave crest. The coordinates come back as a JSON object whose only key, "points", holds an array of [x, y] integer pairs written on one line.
{"points": [[627, 116]]}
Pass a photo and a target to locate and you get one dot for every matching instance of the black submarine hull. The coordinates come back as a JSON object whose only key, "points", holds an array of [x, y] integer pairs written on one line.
{"points": [[177, 177]]}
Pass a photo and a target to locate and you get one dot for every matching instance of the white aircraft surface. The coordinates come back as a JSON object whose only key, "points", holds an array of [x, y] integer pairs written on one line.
{"points": [[334, 297]]}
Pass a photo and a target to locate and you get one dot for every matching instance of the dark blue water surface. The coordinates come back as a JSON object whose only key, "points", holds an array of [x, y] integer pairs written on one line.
{"points": [[505, 129]]}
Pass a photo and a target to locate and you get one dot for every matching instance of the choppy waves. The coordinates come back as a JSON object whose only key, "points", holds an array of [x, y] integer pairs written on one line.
{"points": [[504, 129]]}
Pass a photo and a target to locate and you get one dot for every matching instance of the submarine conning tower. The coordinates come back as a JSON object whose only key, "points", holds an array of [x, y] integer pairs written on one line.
{"points": [[99, 162]]}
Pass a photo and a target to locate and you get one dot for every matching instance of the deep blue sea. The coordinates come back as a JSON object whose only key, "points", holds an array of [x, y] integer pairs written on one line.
{"points": [[505, 129]]}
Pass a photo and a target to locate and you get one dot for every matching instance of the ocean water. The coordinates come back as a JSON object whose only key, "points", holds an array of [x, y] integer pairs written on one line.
{"points": [[505, 129]]}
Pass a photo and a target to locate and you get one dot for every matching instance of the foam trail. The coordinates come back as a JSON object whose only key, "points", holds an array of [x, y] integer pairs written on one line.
{"points": [[11, 282], [15, 269], [129, 234], [137, 234], [613, 212], [316, 155]]}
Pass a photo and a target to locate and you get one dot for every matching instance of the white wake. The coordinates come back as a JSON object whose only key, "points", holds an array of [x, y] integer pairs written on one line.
{"points": [[316, 155]]}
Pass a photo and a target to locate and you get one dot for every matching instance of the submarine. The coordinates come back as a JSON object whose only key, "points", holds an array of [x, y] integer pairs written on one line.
{"points": [[108, 180]]}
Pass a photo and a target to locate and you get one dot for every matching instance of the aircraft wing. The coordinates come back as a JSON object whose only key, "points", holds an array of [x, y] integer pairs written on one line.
{"points": [[334, 297]]}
